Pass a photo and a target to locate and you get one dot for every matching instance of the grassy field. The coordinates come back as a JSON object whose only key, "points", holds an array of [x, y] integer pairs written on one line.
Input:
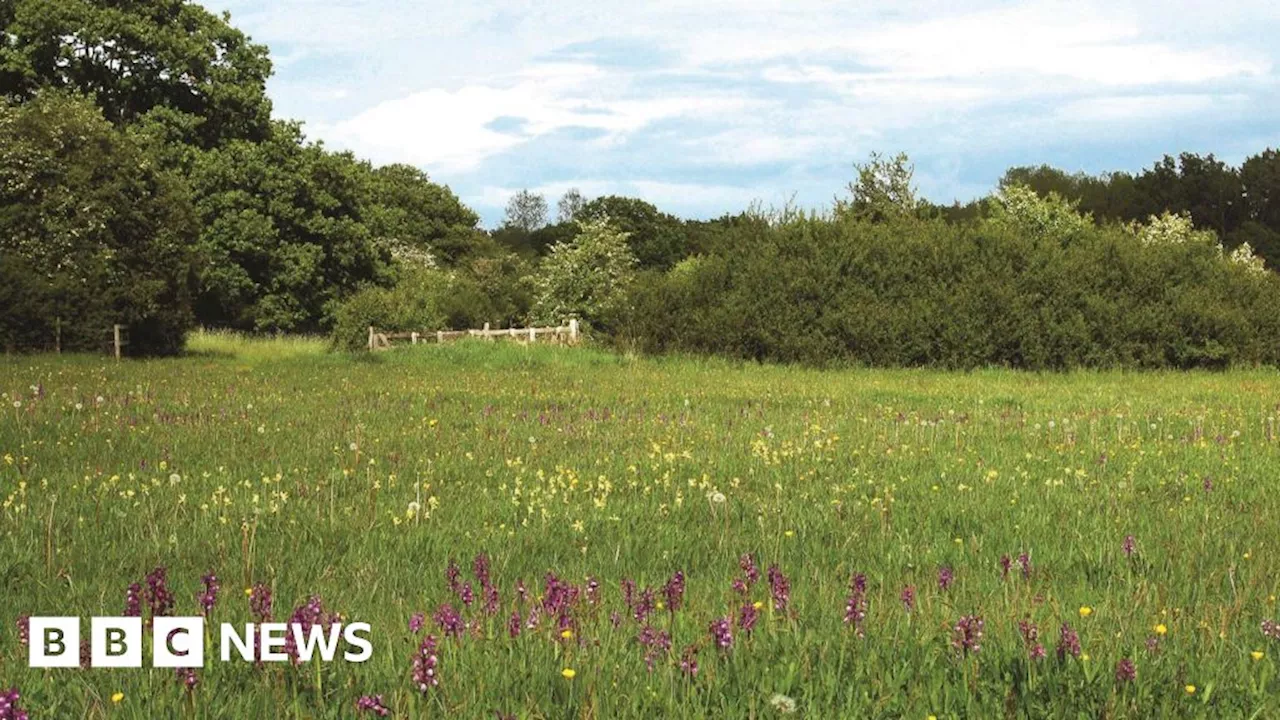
{"points": [[993, 517]]}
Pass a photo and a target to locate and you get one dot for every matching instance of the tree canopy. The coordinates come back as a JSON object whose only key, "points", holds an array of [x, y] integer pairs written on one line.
{"points": [[92, 232], [136, 57]]}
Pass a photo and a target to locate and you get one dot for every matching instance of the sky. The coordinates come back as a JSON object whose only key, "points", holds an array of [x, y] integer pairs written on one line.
{"points": [[704, 107]]}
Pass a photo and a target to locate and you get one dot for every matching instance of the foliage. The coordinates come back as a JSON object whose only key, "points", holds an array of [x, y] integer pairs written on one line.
{"points": [[1051, 217], [412, 304], [656, 239], [1239, 204], [1034, 286], [406, 210], [526, 211], [283, 233], [485, 289], [287, 228], [569, 205], [884, 190], [137, 57], [1170, 229], [91, 233], [586, 279]]}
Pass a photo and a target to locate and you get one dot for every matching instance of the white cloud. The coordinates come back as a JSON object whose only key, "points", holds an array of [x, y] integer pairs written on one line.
{"points": [[1132, 108], [449, 131], [743, 87]]}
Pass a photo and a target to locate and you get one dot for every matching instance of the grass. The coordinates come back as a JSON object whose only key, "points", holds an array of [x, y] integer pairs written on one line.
{"points": [[357, 478], [231, 344]]}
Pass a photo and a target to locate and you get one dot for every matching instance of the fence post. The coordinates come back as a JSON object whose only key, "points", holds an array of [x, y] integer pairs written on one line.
{"points": [[370, 338], [414, 336], [57, 335], [486, 332], [573, 331], [439, 337], [533, 335], [115, 334]]}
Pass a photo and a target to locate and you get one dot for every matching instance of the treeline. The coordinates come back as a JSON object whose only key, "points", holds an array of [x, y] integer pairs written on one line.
{"points": [[1032, 285], [882, 278], [143, 181]]}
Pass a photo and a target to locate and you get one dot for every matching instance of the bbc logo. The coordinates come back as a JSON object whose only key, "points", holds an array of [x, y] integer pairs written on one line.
{"points": [[179, 642], [116, 642]]}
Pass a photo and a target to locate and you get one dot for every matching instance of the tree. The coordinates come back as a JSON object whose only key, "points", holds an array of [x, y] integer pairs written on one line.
{"points": [[1211, 192], [884, 190], [526, 211], [569, 206], [656, 239], [283, 233], [138, 56], [406, 211], [1260, 177], [586, 279], [91, 233], [1050, 217]]}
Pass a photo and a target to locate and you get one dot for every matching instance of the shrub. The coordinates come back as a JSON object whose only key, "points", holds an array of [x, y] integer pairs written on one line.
{"points": [[586, 279], [1032, 287]]}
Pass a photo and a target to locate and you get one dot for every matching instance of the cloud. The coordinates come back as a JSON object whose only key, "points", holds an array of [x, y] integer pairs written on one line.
{"points": [[702, 104], [448, 131], [1133, 108]]}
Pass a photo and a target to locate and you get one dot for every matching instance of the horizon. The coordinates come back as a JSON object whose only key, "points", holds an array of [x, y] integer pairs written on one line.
{"points": [[702, 115]]}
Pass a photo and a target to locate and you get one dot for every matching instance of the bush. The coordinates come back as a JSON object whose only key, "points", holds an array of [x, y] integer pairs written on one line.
{"points": [[1032, 287], [413, 304], [585, 279]]}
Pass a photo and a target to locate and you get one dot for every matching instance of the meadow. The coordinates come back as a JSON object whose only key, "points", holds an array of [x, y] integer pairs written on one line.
{"points": [[542, 532]]}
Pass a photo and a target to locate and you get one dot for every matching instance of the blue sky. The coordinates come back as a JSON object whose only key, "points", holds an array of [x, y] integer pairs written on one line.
{"points": [[702, 107]]}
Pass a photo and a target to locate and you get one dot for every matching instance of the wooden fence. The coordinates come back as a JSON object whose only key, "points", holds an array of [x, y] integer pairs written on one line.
{"points": [[119, 338], [564, 334]]}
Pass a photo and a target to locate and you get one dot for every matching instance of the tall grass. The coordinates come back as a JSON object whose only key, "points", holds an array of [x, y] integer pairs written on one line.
{"points": [[358, 477], [231, 344]]}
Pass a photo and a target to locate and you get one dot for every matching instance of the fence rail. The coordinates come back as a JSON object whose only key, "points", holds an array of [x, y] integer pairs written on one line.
{"points": [[567, 334]]}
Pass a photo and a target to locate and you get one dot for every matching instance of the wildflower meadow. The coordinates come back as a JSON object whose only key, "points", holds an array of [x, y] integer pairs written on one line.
{"points": [[543, 532]]}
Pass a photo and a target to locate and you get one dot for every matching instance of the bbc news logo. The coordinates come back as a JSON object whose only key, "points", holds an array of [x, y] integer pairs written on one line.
{"points": [[179, 642]]}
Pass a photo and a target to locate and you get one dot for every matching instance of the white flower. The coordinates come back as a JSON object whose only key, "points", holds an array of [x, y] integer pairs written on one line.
{"points": [[352, 447], [17, 403], [716, 497], [414, 508], [175, 478], [79, 406], [100, 400], [783, 704]]}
